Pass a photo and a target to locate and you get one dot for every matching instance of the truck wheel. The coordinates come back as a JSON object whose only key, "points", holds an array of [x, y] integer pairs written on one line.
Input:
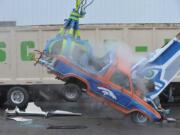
{"points": [[71, 92], [139, 118], [17, 96]]}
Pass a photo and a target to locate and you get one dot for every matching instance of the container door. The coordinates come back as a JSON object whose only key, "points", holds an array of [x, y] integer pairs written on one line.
{"points": [[6, 75]]}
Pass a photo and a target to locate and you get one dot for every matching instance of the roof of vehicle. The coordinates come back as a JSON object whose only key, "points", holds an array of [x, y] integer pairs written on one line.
{"points": [[124, 65]]}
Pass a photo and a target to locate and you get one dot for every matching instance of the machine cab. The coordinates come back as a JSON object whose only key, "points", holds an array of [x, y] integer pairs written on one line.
{"points": [[119, 84]]}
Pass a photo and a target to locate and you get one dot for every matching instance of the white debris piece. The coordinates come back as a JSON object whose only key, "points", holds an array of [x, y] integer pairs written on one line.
{"points": [[58, 112], [33, 109], [171, 119], [20, 119]]}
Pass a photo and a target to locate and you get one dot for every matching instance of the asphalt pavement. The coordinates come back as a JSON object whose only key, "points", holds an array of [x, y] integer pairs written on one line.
{"points": [[97, 119]]}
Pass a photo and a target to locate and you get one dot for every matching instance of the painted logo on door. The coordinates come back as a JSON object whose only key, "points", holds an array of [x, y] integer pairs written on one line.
{"points": [[107, 92]]}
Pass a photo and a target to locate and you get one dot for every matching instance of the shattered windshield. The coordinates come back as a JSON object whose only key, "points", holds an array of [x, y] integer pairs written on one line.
{"points": [[120, 79]]}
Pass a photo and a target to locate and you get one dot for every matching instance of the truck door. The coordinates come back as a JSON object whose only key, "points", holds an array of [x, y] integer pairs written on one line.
{"points": [[121, 88]]}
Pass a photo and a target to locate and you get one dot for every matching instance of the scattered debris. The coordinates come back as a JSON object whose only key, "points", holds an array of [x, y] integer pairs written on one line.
{"points": [[20, 119], [62, 113], [67, 127], [171, 120], [27, 123], [33, 110]]}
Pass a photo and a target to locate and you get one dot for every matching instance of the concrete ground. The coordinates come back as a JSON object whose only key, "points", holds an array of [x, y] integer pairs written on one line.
{"points": [[98, 118]]}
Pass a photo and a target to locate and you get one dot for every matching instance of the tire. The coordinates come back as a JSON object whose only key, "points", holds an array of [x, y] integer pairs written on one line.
{"points": [[139, 118], [17, 96], [71, 92]]}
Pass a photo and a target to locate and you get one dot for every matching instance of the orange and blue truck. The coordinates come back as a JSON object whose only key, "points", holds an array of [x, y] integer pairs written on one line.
{"points": [[111, 79]]}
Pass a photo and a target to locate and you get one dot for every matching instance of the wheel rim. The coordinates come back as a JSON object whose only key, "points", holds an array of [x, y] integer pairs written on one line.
{"points": [[71, 93], [17, 97], [141, 118]]}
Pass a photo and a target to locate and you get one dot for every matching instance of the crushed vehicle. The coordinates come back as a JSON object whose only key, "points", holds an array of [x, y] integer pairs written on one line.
{"points": [[111, 79]]}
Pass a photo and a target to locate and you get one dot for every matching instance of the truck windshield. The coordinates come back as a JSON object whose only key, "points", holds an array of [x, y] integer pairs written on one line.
{"points": [[120, 79], [77, 53]]}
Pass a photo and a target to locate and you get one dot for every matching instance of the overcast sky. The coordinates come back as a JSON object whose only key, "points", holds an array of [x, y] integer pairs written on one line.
{"points": [[37, 12]]}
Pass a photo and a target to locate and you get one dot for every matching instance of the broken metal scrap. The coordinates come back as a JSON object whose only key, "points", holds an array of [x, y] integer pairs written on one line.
{"points": [[33, 110]]}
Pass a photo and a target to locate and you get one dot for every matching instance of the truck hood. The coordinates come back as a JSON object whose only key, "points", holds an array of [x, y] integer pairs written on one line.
{"points": [[159, 67]]}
